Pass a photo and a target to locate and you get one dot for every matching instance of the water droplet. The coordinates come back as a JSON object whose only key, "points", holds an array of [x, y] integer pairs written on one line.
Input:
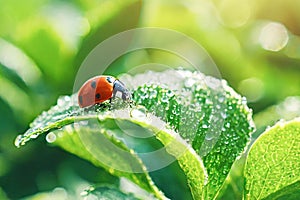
{"points": [[221, 99], [189, 82], [204, 126], [209, 136], [84, 193], [208, 101], [34, 135], [227, 125], [170, 93], [244, 101], [50, 137], [18, 141], [223, 115], [153, 94], [139, 112], [164, 99], [61, 101]]}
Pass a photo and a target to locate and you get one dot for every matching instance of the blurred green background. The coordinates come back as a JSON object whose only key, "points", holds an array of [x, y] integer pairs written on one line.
{"points": [[255, 44]]}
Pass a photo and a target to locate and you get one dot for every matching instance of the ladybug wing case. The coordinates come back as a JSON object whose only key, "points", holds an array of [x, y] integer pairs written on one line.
{"points": [[95, 90]]}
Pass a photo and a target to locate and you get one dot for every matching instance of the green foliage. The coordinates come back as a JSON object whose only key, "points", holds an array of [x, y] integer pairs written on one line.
{"points": [[211, 101], [272, 166], [81, 133], [43, 43]]}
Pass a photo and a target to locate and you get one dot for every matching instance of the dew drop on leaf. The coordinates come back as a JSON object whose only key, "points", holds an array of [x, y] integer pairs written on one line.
{"points": [[204, 126], [164, 99], [209, 136], [139, 113], [189, 82], [18, 140], [61, 101], [33, 136], [50, 137]]}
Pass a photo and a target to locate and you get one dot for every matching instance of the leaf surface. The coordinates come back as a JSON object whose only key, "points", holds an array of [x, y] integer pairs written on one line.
{"points": [[273, 164]]}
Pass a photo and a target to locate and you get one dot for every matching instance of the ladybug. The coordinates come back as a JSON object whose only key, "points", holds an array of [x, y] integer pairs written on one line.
{"points": [[99, 89]]}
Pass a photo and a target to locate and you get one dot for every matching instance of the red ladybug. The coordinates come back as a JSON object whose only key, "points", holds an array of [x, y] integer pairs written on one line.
{"points": [[99, 89]]}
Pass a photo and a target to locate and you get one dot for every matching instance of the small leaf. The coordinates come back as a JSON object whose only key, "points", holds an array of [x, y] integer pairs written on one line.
{"points": [[273, 164]]}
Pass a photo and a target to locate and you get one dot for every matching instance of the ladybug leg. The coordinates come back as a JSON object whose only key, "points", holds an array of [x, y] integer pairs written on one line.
{"points": [[124, 95], [114, 93]]}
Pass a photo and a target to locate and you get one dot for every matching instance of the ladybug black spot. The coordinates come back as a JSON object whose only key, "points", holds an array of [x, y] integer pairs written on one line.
{"points": [[93, 84], [80, 99], [97, 96]]}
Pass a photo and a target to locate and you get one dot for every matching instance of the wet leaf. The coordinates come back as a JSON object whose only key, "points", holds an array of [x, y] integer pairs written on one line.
{"points": [[206, 113], [102, 139], [186, 110], [80, 133], [272, 166]]}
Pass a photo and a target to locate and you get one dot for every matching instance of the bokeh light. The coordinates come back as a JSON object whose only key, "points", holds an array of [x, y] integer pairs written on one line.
{"points": [[273, 36]]}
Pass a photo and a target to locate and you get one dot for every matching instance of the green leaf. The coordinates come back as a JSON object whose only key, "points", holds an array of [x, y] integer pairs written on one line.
{"points": [[273, 163], [104, 150], [93, 143], [205, 111], [290, 192], [89, 142]]}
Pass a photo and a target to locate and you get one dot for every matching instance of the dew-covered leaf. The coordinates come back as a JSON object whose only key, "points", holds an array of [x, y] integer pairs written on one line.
{"points": [[206, 113], [272, 168], [192, 116], [91, 137], [102, 138], [79, 132]]}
